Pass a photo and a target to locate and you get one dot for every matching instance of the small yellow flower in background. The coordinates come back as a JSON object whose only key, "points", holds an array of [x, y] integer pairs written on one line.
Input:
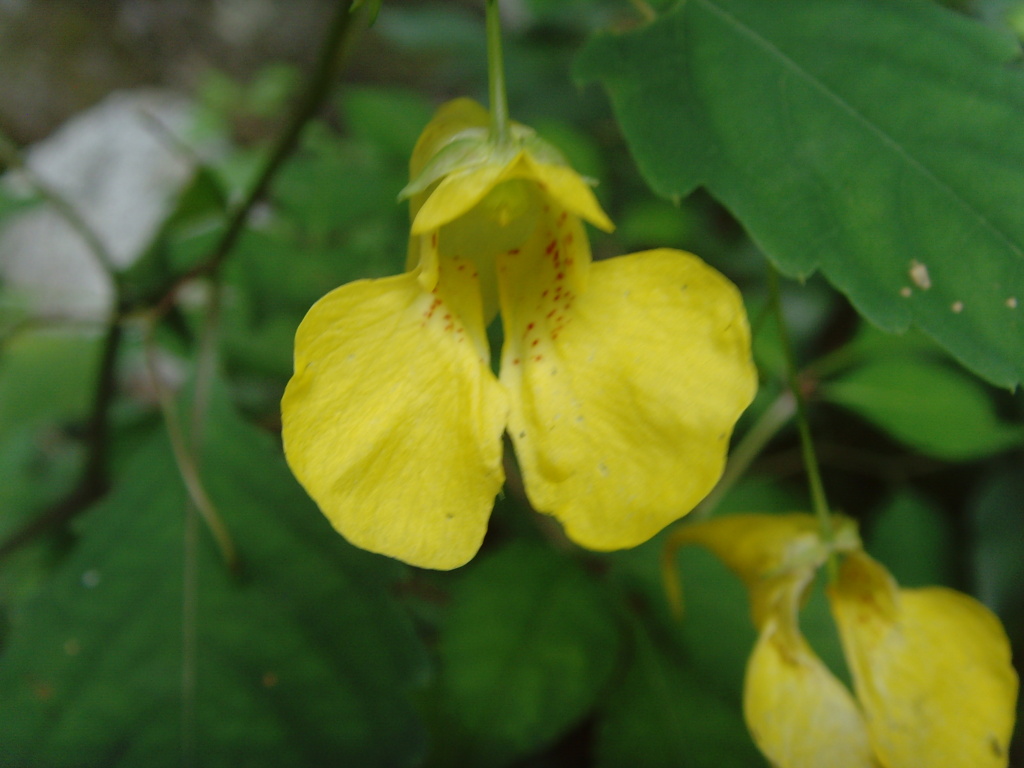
{"points": [[931, 667], [620, 381]]}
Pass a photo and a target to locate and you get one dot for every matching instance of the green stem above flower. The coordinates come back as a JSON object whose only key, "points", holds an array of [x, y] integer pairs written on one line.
{"points": [[818, 501], [496, 76]]}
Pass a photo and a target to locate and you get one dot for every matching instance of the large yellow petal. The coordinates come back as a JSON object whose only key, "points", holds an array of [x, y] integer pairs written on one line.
{"points": [[798, 713], [931, 668], [392, 421], [624, 385]]}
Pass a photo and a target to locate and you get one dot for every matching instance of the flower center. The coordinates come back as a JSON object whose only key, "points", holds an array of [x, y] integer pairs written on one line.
{"points": [[501, 222]]}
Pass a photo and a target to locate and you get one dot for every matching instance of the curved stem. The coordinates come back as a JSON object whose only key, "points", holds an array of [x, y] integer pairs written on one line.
{"points": [[748, 449], [185, 459], [496, 76], [819, 502], [329, 63]]}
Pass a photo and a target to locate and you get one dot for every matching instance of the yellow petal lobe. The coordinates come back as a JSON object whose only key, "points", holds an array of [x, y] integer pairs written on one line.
{"points": [[624, 385], [798, 713], [765, 551], [451, 119], [392, 421], [459, 192], [931, 668], [570, 191]]}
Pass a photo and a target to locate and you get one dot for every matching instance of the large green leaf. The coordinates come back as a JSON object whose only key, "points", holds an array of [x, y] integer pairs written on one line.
{"points": [[665, 714], [936, 409], [144, 650], [879, 142], [678, 703], [529, 645]]}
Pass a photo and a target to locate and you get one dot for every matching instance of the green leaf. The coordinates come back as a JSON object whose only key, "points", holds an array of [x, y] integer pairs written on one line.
{"points": [[47, 376], [998, 553], [144, 650], [527, 648], [664, 714], [388, 118], [184, 239], [914, 541], [927, 405], [877, 142]]}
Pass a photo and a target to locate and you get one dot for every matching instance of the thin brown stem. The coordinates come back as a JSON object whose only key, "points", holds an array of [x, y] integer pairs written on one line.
{"points": [[94, 478], [332, 57]]}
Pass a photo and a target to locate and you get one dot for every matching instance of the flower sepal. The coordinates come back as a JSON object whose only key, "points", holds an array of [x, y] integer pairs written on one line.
{"points": [[474, 148]]}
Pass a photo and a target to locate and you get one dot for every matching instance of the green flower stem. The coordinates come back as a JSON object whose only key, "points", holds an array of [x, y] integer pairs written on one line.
{"points": [[757, 437], [819, 503], [496, 76], [184, 457]]}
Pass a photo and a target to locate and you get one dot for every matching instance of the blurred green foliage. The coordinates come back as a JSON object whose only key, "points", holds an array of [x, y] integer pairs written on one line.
{"points": [[127, 641]]}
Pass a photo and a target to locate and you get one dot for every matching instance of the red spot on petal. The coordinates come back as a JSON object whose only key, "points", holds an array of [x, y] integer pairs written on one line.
{"points": [[561, 219], [433, 240], [516, 361], [560, 276], [551, 247], [513, 252], [568, 239], [535, 342], [537, 358]]}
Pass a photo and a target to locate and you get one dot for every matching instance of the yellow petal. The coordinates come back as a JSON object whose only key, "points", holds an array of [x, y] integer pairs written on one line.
{"points": [[456, 195], [623, 394], [931, 668], [451, 119], [570, 191], [765, 551], [459, 192], [393, 420], [798, 713]]}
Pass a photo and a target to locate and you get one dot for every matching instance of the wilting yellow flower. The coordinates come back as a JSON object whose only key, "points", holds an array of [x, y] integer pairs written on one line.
{"points": [[931, 667], [620, 380]]}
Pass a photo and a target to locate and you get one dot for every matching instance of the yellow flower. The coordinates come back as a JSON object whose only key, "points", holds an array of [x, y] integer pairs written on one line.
{"points": [[931, 667], [620, 380]]}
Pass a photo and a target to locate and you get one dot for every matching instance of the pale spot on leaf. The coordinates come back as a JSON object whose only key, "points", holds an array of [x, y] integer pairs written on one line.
{"points": [[919, 275]]}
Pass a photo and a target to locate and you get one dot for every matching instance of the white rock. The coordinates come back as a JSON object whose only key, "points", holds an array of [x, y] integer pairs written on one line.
{"points": [[120, 172]]}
